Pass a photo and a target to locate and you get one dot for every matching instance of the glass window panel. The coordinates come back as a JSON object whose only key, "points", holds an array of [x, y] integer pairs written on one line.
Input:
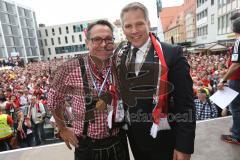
{"points": [[29, 51], [17, 41], [1, 41], [34, 51], [25, 32], [4, 18], [59, 40], [6, 29], [27, 13], [52, 41], [23, 22], [29, 23], [32, 42], [2, 52], [31, 33], [45, 42], [20, 11], [15, 30], [73, 39], [3, 6], [10, 8], [13, 19], [20, 51], [10, 50], [26, 42]]}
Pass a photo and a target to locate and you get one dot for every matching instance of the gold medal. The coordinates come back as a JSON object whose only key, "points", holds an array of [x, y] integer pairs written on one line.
{"points": [[101, 105]]}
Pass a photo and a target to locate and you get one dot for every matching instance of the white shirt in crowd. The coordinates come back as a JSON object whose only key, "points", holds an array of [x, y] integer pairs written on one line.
{"points": [[35, 114]]}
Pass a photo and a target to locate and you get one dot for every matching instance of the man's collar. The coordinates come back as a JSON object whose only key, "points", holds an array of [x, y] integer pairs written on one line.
{"points": [[143, 48], [94, 63]]}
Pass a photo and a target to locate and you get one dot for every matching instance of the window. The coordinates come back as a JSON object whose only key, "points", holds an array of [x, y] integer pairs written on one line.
{"points": [[80, 37], [66, 40], [53, 32], [219, 25], [223, 22], [45, 42], [41, 43], [67, 31], [31, 33], [52, 41], [60, 30], [9, 41], [27, 42], [212, 2], [46, 32], [6, 29], [49, 51], [202, 31], [74, 28], [228, 20], [59, 40], [32, 42], [3, 6], [39, 34], [13, 19], [73, 39], [10, 8], [4, 18], [212, 19]]}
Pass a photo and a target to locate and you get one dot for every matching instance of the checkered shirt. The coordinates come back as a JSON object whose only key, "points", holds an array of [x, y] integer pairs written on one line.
{"points": [[204, 111], [68, 82]]}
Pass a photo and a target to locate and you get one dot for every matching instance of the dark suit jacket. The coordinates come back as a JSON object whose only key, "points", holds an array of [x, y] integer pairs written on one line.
{"points": [[181, 112]]}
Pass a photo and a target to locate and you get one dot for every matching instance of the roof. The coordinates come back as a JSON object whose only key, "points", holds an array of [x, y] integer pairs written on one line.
{"points": [[168, 15]]}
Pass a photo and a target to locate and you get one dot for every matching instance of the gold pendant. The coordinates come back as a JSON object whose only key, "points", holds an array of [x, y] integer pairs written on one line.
{"points": [[101, 105]]}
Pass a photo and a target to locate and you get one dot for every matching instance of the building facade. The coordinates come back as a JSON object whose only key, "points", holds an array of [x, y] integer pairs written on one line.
{"points": [[206, 23], [67, 40], [18, 31], [179, 24], [64, 40], [190, 20], [226, 8]]}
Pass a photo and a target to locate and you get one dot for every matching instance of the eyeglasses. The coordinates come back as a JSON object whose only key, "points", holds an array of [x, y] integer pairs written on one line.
{"points": [[99, 40]]}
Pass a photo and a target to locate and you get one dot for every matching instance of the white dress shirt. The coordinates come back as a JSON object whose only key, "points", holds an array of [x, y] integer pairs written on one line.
{"points": [[140, 56]]}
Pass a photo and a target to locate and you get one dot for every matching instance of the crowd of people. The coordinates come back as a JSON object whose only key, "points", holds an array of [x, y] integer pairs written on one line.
{"points": [[206, 72], [23, 98], [25, 91]]}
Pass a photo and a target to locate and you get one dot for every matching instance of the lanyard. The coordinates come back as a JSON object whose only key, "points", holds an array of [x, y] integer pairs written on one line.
{"points": [[95, 82]]}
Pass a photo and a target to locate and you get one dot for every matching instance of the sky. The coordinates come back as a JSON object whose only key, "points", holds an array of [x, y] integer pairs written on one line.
{"points": [[55, 12]]}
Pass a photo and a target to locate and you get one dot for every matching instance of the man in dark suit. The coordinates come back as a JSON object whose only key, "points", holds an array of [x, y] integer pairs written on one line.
{"points": [[157, 89]]}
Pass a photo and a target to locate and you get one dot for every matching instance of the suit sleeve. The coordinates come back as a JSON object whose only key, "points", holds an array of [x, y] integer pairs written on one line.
{"points": [[184, 110]]}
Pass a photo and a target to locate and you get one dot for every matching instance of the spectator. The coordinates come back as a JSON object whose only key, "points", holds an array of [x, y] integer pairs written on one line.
{"points": [[205, 109], [6, 132], [36, 113]]}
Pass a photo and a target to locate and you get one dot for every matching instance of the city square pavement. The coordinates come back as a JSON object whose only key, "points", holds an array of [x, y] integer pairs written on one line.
{"points": [[208, 146]]}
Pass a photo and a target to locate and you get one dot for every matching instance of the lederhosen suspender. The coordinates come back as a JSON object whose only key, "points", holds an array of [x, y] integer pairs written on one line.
{"points": [[89, 101]]}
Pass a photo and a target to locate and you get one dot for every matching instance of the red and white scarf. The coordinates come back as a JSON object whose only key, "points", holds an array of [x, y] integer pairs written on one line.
{"points": [[159, 113]]}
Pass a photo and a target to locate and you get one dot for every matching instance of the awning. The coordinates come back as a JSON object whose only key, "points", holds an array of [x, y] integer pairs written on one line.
{"points": [[212, 47]]}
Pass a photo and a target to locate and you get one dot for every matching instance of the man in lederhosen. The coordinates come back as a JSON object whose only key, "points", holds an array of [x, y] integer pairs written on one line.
{"points": [[96, 106]]}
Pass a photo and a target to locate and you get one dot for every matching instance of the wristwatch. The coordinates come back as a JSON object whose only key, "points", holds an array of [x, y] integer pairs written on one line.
{"points": [[222, 81]]}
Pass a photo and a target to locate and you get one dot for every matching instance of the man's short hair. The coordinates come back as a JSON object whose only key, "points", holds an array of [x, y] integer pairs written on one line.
{"points": [[235, 16], [134, 6], [236, 25], [98, 22]]}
